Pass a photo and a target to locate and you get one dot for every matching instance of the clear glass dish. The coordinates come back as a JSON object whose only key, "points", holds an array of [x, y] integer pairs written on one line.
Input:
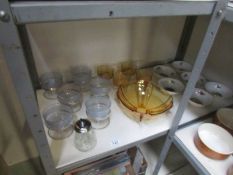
{"points": [[57, 116], [98, 122], [143, 100], [82, 77], [60, 134], [98, 110], [100, 86], [50, 82], [71, 96]]}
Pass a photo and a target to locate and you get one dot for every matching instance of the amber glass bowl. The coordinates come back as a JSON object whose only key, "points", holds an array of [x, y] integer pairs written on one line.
{"points": [[143, 100]]}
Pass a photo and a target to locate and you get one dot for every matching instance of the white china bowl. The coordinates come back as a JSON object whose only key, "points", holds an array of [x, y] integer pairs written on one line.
{"points": [[200, 98], [171, 85], [218, 89], [216, 138], [182, 66], [164, 71], [185, 76]]}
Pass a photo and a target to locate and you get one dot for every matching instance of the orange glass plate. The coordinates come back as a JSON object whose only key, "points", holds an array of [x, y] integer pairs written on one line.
{"points": [[143, 100]]}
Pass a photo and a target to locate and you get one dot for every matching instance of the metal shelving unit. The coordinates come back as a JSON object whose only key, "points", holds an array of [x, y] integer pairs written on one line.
{"points": [[15, 15]]}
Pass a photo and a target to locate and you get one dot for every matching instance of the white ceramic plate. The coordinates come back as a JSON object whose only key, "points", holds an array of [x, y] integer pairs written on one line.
{"points": [[218, 89], [186, 75], [171, 85], [164, 71], [182, 66], [200, 98], [216, 138]]}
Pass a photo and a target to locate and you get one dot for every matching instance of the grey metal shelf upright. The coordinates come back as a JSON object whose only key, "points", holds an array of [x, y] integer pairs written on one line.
{"points": [[185, 147], [15, 15]]}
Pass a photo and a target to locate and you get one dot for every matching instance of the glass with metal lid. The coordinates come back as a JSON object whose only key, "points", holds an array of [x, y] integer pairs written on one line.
{"points": [[85, 138]]}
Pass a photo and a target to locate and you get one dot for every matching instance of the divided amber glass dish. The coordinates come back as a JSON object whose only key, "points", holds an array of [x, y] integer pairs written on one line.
{"points": [[143, 100]]}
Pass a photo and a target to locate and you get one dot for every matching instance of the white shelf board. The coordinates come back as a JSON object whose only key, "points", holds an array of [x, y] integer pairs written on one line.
{"points": [[185, 137], [124, 131]]}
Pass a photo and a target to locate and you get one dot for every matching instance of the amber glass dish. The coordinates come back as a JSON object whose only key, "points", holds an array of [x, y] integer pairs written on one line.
{"points": [[143, 100]]}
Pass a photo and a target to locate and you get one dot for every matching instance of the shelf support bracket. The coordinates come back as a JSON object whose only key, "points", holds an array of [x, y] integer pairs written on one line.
{"points": [[214, 24]]}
